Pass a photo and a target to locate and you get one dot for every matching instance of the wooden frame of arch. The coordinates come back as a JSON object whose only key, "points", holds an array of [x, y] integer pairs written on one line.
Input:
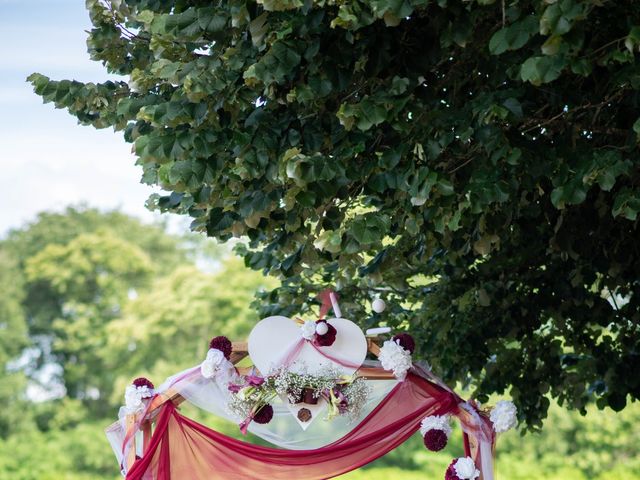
{"points": [[240, 352]]}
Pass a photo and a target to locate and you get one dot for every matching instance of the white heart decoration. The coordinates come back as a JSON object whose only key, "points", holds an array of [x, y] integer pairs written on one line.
{"points": [[273, 337]]}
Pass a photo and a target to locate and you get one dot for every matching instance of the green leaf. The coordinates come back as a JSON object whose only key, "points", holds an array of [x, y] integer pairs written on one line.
{"points": [[513, 37], [559, 17], [513, 105], [280, 5], [627, 204], [539, 70], [636, 129], [552, 45]]}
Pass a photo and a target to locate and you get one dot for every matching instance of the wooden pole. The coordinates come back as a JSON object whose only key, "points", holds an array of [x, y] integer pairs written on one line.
{"points": [[130, 422]]}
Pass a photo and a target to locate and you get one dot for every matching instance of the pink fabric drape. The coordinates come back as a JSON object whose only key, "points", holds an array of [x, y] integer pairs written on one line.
{"points": [[184, 449]]}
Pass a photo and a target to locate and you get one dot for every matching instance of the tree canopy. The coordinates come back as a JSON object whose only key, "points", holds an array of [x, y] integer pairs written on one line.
{"points": [[474, 163]]}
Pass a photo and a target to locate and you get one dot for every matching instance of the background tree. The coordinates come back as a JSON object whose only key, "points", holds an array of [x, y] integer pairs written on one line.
{"points": [[473, 162], [89, 280], [73, 273], [168, 327], [13, 338]]}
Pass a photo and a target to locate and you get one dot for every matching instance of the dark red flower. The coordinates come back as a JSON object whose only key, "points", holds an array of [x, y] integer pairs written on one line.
{"points": [[451, 474], [406, 341], [143, 382], [328, 338], [435, 440], [264, 415], [223, 344]]}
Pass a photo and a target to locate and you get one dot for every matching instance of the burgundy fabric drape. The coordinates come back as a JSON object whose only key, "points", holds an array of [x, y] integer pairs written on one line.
{"points": [[182, 449]]}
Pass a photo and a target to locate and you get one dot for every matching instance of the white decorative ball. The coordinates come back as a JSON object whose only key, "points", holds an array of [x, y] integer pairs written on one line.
{"points": [[322, 328], [378, 305]]}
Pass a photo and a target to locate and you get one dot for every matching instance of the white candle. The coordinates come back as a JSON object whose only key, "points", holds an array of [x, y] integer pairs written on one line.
{"points": [[378, 331]]}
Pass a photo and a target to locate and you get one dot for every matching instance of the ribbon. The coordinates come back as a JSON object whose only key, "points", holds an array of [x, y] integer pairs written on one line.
{"points": [[328, 300], [249, 381]]}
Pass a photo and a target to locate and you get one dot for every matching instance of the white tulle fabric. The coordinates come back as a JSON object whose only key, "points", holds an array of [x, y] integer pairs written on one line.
{"points": [[212, 395]]}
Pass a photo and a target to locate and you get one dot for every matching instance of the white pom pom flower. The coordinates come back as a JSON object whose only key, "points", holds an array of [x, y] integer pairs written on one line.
{"points": [[436, 422], [466, 469], [133, 397], [504, 416], [215, 358], [308, 329], [395, 358]]}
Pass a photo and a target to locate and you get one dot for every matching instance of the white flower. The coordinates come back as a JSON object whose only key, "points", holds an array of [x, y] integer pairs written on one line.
{"points": [[394, 357], [503, 416], [436, 422], [212, 363], [308, 329], [466, 469], [133, 398]]}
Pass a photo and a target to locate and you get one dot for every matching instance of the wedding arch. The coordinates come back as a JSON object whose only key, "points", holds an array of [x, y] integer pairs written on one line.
{"points": [[372, 398]]}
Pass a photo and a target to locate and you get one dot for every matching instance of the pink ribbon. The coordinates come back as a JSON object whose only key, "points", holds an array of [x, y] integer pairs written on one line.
{"points": [[329, 300], [293, 352]]}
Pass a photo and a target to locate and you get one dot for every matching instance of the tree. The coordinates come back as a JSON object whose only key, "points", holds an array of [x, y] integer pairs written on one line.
{"points": [[167, 328], [472, 162], [13, 338], [65, 277], [59, 228], [89, 280]]}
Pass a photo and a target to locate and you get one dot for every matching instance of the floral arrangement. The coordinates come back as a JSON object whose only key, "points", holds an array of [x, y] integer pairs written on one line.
{"points": [[320, 332], [395, 355], [462, 468], [222, 344], [217, 357], [139, 390], [504, 416], [345, 395], [436, 431]]}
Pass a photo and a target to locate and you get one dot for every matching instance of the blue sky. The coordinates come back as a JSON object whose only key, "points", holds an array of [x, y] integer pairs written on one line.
{"points": [[47, 160]]}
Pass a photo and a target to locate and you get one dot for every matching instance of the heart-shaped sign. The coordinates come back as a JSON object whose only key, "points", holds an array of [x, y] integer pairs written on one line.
{"points": [[273, 339]]}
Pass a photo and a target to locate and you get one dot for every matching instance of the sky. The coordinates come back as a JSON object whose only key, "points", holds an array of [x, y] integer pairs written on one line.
{"points": [[47, 160]]}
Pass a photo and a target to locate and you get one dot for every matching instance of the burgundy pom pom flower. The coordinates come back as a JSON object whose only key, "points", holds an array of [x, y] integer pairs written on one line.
{"points": [[223, 344], [435, 440], [143, 382], [406, 341], [264, 415], [328, 338], [451, 474]]}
